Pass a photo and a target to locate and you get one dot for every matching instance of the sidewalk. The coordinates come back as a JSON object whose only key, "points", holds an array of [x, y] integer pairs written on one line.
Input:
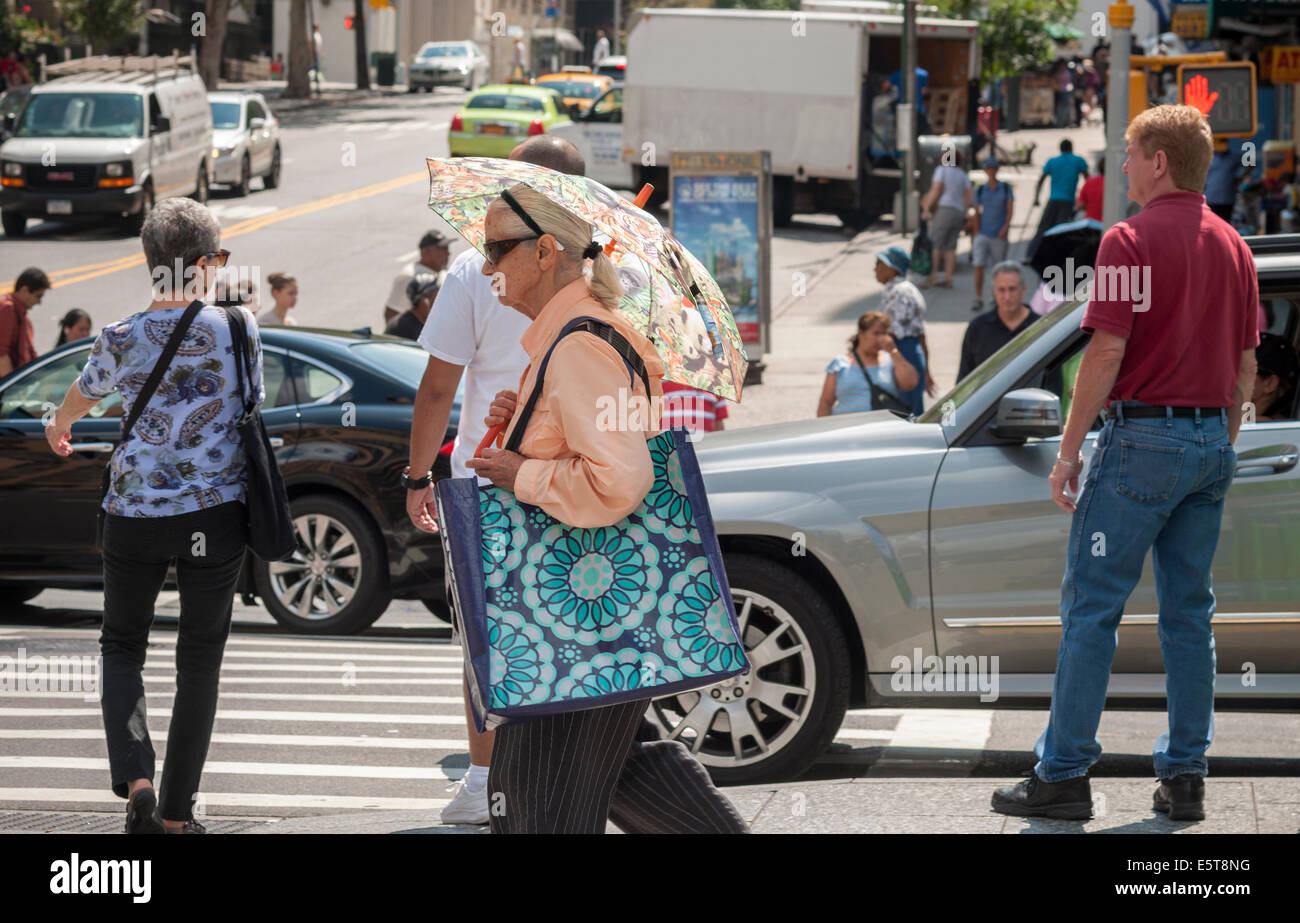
{"points": [[331, 93], [885, 805], [811, 329]]}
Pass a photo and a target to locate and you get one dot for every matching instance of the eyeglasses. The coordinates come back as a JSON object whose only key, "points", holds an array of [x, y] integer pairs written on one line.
{"points": [[219, 257], [495, 250]]}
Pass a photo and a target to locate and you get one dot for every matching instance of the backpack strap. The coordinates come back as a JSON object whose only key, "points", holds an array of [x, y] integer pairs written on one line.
{"points": [[160, 367]]}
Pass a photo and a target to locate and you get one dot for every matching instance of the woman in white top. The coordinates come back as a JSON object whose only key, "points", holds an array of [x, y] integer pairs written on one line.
{"points": [[948, 201], [284, 295]]}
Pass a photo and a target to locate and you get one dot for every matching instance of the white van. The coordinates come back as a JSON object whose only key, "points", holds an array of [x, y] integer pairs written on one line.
{"points": [[106, 138]]}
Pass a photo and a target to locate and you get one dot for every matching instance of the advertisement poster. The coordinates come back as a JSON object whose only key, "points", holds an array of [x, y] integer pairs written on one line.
{"points": [[720, 212]]}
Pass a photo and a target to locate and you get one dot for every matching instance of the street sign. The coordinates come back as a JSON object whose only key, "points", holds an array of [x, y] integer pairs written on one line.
{"points": [[722, 214], [1225, 93]]}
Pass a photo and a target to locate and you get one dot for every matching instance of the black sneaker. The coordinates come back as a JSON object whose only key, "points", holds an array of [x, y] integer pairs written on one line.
{"points": [[1182, 797], [142, 813], [1032, 797]]}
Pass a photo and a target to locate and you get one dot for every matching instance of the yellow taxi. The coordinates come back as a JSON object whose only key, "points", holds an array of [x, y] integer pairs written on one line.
{"points": [[579, 87]]}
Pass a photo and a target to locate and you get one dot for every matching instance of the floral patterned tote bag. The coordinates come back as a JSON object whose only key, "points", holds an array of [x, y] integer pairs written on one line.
{"points": [[555, 618]]}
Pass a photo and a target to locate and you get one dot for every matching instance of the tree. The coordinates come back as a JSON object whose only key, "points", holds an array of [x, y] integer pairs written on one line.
{"points": [[298, 78], [359, 28], [214, 37], [1013, 33], [106, 25]]}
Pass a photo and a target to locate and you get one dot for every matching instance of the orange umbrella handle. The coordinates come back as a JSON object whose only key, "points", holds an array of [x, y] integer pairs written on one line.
{"points": [[492, 433], [642, 197]]}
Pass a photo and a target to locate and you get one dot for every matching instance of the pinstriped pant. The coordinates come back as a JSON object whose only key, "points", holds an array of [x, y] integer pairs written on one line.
{"points": [[570, 773]]}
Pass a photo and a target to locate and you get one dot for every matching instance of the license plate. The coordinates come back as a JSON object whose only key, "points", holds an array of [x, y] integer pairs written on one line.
{"points": [[59, 206], [492, 129]]}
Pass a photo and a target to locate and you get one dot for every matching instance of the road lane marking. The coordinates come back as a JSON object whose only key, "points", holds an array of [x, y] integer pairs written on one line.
{"points": [[263, 696], [228, 799], [260, 740], [337, 717], [95, 270], [240, 768]]}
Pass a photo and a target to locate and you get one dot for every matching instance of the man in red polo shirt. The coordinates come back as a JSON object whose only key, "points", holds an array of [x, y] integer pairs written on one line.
{"points": [[17, 342], [1174, 321]]}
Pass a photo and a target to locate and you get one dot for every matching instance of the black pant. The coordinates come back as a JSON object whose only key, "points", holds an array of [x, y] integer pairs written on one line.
{"points": [[570, 773], [208, 547], [1054, 212]]}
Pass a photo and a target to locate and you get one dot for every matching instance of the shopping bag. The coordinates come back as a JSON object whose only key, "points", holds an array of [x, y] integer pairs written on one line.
{"points": [[554, 618]]}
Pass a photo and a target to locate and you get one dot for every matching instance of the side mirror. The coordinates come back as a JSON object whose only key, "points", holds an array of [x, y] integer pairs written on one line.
{"points": [[1027, 412], [161, 124], [255, 124]]}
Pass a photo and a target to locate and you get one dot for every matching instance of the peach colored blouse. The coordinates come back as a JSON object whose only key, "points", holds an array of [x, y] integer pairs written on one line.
{"points": [[581, 469]]}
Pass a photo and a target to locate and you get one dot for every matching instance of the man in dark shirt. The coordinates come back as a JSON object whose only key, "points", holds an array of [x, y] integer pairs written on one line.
{"points": [[1173, 314], [421, 290], [992, 330]]}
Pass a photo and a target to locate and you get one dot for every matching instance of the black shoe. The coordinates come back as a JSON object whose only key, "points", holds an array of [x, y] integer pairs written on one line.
{"points": [[1181, 797], [142, 813], [1068, 800]]}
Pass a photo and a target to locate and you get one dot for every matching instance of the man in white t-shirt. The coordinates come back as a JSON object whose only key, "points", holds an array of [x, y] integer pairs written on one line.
{"points": [[435, 248], [470, 331]]}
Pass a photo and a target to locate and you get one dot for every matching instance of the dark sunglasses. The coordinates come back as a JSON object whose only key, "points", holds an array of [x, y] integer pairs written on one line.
{"points": [[495, 250], [219, 258]]}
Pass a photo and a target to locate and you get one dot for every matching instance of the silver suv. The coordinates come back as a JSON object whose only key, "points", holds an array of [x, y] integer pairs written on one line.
{"points": [[245, 141]]}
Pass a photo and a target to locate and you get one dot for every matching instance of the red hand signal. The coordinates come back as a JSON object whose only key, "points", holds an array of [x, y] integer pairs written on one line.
{"points": [[1197, 93]]}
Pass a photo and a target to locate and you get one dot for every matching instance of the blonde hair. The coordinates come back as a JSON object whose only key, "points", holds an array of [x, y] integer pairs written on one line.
{"points": [[573, 234], [1185, 137], [279, 280]]}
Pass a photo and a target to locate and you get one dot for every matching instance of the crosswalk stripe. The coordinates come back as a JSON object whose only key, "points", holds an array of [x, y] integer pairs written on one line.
{"points": [[228, 799], [235, 656], [165, 638], [263, 696], [261, 740], [232, 767], [340, 717], [333, 668], [313, 681]]}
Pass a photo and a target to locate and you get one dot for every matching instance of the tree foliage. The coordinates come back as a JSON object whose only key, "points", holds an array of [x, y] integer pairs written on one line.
{"points": [[105, 24], [1013, 33]]}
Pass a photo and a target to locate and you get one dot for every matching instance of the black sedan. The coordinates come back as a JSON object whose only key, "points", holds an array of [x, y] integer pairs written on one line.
{"points": [[338, 411]]}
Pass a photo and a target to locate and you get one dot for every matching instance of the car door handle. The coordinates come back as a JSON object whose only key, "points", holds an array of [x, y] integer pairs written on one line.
{"points": [[93, 446], [1283, 462], [276, 442]]}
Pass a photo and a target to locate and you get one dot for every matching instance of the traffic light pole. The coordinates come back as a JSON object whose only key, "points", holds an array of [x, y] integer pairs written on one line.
{"points": [[1115, 199]]}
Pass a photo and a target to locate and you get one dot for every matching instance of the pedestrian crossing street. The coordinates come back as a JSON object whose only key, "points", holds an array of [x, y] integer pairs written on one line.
{"points": [[313, 726]]}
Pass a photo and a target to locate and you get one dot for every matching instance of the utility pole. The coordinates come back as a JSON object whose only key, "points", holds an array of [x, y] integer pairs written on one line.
{"points": [[1115, 199], [359, 27], [908, 111], [618, 24]]}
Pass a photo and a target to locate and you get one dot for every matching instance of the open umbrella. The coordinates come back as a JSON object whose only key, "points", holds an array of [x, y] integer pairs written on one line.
{"points": [[1077, 239], [668, 295]]}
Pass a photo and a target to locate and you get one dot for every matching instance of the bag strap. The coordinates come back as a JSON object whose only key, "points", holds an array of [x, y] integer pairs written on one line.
{"points": [[879, 395], [239, 343], [160, 367], [606, 332]]}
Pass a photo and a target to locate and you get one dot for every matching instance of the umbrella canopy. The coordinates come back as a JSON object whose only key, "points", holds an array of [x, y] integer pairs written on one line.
{"points": [[668, 295], [1073, 239]]}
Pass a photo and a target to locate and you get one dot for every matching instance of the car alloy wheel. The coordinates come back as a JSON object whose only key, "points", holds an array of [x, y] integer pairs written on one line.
{"points": [[750, 717], [324, 572], [272, 178]]}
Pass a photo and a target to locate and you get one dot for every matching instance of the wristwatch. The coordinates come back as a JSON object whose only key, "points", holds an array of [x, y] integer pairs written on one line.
{"points": [[411, 483]]}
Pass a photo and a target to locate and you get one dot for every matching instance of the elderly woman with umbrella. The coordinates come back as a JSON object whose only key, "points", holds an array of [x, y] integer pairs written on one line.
{"points": [[571, 772]]}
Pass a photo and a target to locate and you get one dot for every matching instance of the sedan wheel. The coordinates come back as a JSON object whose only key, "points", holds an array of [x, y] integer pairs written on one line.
{"points": [[272, 178], [336, 581], [775, 720]]}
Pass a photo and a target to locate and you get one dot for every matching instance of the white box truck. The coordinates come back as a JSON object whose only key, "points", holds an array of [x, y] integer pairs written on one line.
{"points": [[802, 85]]}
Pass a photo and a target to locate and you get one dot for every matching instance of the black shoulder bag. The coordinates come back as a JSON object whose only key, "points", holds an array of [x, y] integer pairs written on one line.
{"points": [[150, 386], [270, 526], [882, 398]]}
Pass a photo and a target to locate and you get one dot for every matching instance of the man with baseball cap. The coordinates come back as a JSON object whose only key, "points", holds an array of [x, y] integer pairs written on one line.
{"points": [[993, 206], [420, 293], [435, 249]]}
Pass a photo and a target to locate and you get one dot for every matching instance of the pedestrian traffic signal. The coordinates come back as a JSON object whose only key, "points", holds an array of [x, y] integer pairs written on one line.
{"points": [[1225, 94], [347, 22]]}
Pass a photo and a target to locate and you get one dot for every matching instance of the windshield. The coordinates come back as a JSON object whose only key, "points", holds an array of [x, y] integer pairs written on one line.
{"points": [[403, 361], [994, 364], [225, 115], [582, 89], [443, 51], [502, 101], [82, 115]]}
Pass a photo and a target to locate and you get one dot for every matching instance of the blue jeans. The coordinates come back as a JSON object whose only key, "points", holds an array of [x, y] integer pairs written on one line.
{"points": [[910, 347], [1152, 482]]}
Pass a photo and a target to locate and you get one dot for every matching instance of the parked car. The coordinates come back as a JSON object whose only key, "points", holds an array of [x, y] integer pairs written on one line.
{"points": [[447, 64], [122, 143], [856, 543], [245, 140], [338, 411], [496, 118], [578, 90]]}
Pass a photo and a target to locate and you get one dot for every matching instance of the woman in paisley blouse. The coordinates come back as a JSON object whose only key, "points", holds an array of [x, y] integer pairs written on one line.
{"points": [[175, 493], [572, 772]]}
